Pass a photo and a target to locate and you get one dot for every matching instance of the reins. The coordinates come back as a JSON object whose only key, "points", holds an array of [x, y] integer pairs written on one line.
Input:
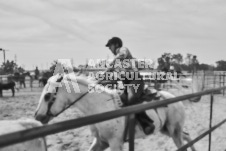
{"points": [[49, 113], [71, 104]]}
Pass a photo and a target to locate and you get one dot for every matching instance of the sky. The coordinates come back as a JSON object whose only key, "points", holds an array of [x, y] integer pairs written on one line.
{"points": [[37, 32]]}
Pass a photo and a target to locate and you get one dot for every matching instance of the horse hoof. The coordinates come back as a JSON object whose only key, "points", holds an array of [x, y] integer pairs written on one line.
{"points": [[149, 130]]}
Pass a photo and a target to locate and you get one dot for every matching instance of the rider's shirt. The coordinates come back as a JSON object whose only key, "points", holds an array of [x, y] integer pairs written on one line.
{"points": [[126, 59], [123, 53]]}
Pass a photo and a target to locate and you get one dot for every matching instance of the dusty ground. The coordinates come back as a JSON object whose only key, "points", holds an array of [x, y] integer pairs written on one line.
{"points": [[25, 102]]}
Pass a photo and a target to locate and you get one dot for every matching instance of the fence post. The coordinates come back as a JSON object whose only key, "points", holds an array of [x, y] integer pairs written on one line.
{"points": [[220, 80], [211, 115], [207, 79], [131, 122], [223, 83], [204, 77]]}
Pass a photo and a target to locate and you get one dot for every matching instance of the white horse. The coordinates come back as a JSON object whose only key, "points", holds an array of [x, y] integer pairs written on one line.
{"points": [[9, 126], [56, 98]]}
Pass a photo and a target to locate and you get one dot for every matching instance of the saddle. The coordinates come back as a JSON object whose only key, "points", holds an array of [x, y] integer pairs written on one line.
{"points": [[147, 96], [150, 94]]}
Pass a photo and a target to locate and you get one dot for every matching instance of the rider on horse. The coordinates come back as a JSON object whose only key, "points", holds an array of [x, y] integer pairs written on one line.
{"points": [[132, 95]]}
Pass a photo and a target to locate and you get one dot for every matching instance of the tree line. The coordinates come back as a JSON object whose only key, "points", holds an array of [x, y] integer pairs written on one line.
{"points": [[185, 63], [10, 67]]}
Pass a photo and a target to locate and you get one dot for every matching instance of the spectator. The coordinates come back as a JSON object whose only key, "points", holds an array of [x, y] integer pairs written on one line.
{"points": [[36, 73], [195, 64]]}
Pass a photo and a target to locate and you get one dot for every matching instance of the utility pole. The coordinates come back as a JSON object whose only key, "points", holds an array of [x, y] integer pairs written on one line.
{"points": [[3, 50], [15, 58]]}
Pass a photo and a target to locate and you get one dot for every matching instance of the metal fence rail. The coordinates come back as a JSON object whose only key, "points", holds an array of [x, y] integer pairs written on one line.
{"points": [[201, 136], [20, 136]]}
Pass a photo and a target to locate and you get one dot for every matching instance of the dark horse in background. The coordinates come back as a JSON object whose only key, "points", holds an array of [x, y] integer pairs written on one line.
{"points": [[10, 85], [44, 78], [11, 82], [20, 77], [42, 81]]}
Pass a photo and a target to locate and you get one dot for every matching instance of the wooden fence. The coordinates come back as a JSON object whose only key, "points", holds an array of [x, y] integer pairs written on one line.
{"points": [[20, 136]]}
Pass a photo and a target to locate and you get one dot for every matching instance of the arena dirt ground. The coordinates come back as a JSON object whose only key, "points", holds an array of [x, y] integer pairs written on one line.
{"points": [[25, 102]]}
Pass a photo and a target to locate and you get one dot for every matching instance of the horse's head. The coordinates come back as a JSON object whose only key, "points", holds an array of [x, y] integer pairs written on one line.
{"points": [[56, 96]]}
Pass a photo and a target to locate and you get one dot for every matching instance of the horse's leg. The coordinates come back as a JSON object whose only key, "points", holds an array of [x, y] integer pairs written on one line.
{"points": [[188, 139], [17, 86], [177, 138], [98, 145], [13, 92], [175, 131], [171, 82], [31, 84]]}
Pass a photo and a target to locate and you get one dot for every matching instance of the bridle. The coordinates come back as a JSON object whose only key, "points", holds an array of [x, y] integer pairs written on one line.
{"points": [[51, 103], [53, 100]]}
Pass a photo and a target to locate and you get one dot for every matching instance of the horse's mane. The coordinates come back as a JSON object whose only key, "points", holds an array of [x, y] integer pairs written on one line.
{"points": [[81, 79]]}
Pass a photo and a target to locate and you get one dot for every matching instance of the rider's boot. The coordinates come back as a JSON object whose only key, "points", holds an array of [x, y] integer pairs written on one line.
{"points": [[146, 123]]}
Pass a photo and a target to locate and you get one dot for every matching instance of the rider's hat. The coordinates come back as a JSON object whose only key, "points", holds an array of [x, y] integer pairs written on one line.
{"points": [[114, 40]]}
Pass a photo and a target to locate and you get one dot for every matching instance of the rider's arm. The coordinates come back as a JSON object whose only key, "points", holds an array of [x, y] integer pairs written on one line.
{"points": [[122, 53]]}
